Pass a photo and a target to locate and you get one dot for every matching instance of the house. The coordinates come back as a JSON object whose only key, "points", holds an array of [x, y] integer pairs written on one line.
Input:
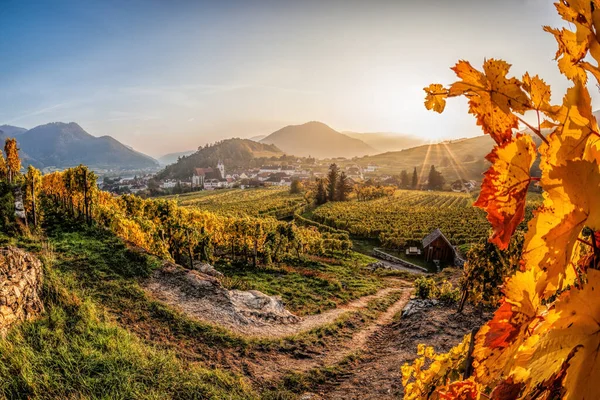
{"points": [[279, 179], [371, 168], [168, 184], [436, 247], [269, 169]]}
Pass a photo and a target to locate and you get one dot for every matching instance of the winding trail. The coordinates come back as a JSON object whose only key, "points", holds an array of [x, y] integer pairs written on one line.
{"points": [[267, 330]]}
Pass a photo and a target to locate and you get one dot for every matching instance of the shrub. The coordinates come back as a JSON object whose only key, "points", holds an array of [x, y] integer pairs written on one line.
{"points": [[448, 294], [426, 288]]}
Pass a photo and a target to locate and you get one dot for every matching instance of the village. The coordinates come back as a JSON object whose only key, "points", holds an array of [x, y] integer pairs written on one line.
{"points": [[268, 175], [220, 178]]}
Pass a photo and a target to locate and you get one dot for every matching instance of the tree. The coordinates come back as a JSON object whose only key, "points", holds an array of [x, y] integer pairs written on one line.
{"points": [[321, 196], [415, 179], [13, 162], [436, 180], [33, 183], [3, 167], [343, 188], [332, 178], [296, 187], [404, 181]]}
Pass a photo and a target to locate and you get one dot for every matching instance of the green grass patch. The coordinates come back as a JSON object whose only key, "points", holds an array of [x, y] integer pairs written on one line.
{"points": [[75, 351], [309, 286]]}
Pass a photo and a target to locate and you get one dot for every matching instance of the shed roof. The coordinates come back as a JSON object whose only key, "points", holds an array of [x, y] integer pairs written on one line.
{"points": [[436, 233]]}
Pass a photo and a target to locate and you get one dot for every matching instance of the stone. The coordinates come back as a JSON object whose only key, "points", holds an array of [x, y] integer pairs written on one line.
{"points": [[415, 306], [20, 287], [202, 294], [207, 269]]}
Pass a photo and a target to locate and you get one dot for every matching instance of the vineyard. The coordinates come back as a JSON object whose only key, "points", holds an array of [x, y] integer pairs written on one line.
{"points": [[275, 202], [409, 216]]}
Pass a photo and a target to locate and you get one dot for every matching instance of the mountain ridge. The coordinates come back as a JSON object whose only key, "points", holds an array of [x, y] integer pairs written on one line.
{"points": [[318, 140], [62, 145]]}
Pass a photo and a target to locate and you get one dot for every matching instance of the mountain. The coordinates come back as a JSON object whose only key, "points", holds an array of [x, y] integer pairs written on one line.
{"points": [[11, 131], [387, 141], [235, 153], [172, 158], [461, 158], [63, 145], [258, 138], [317, 140]]}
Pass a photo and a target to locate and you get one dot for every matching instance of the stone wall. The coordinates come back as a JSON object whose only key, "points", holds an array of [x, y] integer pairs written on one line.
{"points": [[378, 253], [20, 287]]}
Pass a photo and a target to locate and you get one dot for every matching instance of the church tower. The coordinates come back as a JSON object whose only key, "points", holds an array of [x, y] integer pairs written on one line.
{"points": [[221, 168]]}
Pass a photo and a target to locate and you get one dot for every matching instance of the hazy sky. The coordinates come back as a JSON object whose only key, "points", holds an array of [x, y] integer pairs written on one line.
{"points": [[169, 75]]}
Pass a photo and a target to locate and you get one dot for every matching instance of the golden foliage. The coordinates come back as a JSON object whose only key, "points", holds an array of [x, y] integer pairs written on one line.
{"points": [[544, 339]]}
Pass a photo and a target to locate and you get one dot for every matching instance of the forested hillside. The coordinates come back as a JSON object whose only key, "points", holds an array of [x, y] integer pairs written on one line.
{"points": [[234, 153]]}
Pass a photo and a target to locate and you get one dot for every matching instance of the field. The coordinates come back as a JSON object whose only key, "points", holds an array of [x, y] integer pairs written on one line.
{"points": [[408, 216], [276, 202]]}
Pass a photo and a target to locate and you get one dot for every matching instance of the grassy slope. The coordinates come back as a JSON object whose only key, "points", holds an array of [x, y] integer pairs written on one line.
{"points": [[449, 158], [311, 286], [77, 350], [102, 337]]}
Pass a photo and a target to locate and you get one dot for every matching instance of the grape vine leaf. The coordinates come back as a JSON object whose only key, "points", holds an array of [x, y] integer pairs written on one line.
{"points": [[492, 97], [504, 188], [570, 334], [570, 202], [436, 97]]}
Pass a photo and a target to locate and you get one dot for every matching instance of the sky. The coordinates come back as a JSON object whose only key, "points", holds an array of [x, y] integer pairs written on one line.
{"points": [[167, 76]]}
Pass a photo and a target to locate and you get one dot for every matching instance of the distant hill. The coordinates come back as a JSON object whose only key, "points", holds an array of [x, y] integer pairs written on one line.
{"points": [[317, 140], [235, 154], [387, 141], [172, 158], [12, 131], [461, 158], [258, 138], [63, 145]]}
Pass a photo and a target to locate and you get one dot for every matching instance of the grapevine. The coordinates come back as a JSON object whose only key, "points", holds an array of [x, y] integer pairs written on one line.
{"points": [[544, 339]]}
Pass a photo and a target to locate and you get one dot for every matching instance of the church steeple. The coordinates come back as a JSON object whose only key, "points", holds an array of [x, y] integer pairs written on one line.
{"points": [[221, 168]]}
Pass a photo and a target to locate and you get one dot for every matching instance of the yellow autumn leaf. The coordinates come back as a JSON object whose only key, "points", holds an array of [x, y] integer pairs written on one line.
{"points": [[499, 340], [539, 91], [436, 97], [492, 97], [570, 52], [569, 205], [570, 334]]}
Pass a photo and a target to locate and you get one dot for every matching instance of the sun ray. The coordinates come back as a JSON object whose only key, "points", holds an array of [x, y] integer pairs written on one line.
{"points": [[425, 162], [455, 164]]}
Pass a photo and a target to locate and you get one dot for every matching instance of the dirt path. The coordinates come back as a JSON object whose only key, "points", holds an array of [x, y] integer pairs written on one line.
{"points": [[377, 374], [266, 330], [360, 341]]}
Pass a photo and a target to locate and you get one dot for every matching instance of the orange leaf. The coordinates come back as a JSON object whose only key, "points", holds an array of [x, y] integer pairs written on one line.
{"points": [[505, 185], [492, 97], [436, 97]]}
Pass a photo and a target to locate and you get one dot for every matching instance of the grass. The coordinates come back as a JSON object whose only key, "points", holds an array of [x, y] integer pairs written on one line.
{"points": [[75, 351], [309, 286], [103, 337]]}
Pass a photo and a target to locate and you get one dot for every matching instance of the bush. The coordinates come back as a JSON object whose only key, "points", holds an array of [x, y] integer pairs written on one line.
{"points": [[426, 288], [448, 294]]}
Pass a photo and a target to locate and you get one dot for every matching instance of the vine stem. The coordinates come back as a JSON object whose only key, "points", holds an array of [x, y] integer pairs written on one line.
{"points": [[534, 129]]}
